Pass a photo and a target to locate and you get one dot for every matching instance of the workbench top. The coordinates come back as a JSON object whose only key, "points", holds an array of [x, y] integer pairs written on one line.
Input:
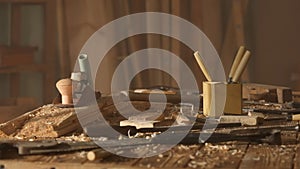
{"points": [[227, 155]]}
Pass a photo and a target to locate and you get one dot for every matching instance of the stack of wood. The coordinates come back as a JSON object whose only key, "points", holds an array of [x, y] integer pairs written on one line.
{"points": [[46, 121], [267, 93]]}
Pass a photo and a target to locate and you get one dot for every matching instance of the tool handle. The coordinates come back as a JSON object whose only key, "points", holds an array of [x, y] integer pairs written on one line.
{"points": [[97, 154], [236, 61], [240, 69], [202, 66]]}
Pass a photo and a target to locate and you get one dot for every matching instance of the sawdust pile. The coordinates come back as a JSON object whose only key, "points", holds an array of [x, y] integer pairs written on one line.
{"points": [[47, 121]]}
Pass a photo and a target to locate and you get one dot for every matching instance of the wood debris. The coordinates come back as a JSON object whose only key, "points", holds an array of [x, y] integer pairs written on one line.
{"points": [[46, 121], [268, 93]]}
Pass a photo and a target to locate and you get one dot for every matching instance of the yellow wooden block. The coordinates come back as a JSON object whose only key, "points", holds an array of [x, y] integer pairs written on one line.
{"points": [[233, 103], [214, 95]]}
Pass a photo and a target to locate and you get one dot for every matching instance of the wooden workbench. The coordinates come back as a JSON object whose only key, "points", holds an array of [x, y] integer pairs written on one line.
{"points": [[233, 154], [230, 155]]}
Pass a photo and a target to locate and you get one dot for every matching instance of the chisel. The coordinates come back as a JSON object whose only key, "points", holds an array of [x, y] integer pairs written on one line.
{"points": [[236, 62], [241, 67], [202, 66]]}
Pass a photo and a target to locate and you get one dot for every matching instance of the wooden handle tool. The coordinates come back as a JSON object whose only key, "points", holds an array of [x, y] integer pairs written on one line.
{"points": [[236, 62], [202, 66], [241, 67], [97, 154]]}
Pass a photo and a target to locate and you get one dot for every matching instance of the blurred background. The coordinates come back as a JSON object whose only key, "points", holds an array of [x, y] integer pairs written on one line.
{"points": [[41, 39]]}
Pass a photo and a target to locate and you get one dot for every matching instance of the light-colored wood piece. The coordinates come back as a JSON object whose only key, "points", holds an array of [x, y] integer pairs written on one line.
{"points": [[97, 154], [296, 117], [244, 120], [240, 69], [212, 97], [202, 66], [64, 87], [138, 124], [213, 94], [236, 61]]}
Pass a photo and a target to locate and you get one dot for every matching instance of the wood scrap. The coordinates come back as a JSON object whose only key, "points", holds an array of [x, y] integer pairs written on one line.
{"points": [[46, 121], [244, 120], [138, 124], [97, 154], [3, 135], [268, 93], [296, 96]]}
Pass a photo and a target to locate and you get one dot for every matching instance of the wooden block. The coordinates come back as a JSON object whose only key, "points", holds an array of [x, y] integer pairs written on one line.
{"points": [[244, 120], [138, 124], [233, 103], [213, 94]]}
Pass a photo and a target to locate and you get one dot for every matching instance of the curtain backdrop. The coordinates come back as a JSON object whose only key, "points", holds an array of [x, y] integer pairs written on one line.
{"points": [[228, 24]]}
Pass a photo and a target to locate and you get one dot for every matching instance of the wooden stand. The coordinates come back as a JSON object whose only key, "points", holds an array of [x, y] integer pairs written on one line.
{"points": [[213, 96]]}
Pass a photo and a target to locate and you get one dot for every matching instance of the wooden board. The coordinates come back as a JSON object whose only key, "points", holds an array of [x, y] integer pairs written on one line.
{"points": [[47, 121], [268, 157]]}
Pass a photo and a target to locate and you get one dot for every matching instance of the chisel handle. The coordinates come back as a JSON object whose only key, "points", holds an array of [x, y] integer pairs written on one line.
{"points": [[202, 66], [236, 62], [240, 69]]}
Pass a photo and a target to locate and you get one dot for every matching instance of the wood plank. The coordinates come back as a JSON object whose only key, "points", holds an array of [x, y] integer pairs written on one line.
{"points": [[218, 156], [289, 137], [60, 165], [268, 157], [181, 156], [47, 121]]}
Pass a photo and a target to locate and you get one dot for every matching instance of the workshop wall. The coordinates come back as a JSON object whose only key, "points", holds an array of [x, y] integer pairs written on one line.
{"points": [[274, 34], [268, 28]]}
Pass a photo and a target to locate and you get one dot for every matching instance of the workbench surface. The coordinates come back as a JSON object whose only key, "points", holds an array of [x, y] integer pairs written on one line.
{"points": [[234, 155], [229, 155]]}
